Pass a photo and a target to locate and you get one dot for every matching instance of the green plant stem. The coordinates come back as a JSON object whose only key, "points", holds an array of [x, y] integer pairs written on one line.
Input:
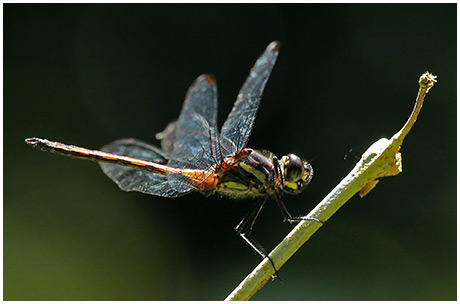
{"points": [[381, 159]]}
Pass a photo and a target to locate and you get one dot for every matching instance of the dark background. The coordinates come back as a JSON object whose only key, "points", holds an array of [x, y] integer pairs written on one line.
{"points": [[346, 76]]}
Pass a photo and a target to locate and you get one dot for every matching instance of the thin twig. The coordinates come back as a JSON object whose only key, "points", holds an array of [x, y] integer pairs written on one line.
{"points": [[381, 159], [426, 82]]}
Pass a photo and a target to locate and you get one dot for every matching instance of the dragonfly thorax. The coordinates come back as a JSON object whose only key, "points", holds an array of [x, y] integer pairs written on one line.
{"points": [[250, 173]]}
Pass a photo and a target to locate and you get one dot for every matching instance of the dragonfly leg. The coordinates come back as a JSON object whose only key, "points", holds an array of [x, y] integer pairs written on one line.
{"points": [[244, 229], [293, 219]]}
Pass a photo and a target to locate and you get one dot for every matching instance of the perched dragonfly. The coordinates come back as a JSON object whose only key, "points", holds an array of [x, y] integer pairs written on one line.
{"points": [[195, 156]]}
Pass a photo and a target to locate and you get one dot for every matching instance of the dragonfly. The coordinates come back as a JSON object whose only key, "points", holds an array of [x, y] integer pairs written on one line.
{"points": [[195, 156]]}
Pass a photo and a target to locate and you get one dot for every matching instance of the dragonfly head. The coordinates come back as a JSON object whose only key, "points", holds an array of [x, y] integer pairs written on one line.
{"points": [[297, 173]]}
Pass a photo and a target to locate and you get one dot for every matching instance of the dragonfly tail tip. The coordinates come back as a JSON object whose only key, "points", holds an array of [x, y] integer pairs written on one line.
{"points": [[33, 141]]}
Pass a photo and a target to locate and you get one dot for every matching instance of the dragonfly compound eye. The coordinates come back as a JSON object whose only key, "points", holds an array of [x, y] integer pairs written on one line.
{"points": [[297, 174], [293, 168]]}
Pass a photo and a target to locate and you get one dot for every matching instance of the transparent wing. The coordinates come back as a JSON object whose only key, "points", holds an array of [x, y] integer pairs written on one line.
{"points": [[130, 179], [167, 137], [192, 141], [238, 126]]}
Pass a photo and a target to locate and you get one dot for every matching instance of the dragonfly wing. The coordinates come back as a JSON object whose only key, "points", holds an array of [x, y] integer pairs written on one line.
{"points": [[167, 137], [130, 179], [192, 141], [238, 126]]}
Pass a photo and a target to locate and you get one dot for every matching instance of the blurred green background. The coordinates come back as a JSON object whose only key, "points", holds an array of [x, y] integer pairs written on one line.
{"points": [[346, 76]]}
